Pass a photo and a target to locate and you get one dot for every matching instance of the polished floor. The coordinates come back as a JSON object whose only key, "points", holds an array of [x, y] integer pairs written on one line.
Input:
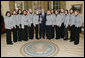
{"points": [[64, 48]]}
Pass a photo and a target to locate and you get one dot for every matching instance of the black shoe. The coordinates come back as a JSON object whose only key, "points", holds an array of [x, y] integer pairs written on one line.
{"points": [[56, 38], [31, 38], [76, 43], [15, 41], [49, 39], [65, 39], [62, 37], [19, 40], [9, 43], [37, 38], [71, 41], [24, 40]]}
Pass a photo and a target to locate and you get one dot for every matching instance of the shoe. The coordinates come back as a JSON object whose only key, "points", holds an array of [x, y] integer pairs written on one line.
{"points": [[19, 40], [76, 43], [65, 39], [56, 38], [37, 38], [24, 40], [71, 41], [9, 43]]}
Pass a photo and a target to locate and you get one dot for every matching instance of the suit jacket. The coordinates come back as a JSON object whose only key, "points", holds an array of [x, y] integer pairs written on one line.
{"points": [[43, 17]]}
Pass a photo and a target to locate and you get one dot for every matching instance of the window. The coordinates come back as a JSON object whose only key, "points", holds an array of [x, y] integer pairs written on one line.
{"points": [[19, 5], [56, 5]]}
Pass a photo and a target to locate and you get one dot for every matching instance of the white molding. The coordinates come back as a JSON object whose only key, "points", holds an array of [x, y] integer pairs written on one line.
{"points": [[23, 5], [51, 4], [33, 6]]}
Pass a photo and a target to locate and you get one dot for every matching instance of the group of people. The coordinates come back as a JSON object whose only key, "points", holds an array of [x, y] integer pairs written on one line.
{"points": [[26, 23]]}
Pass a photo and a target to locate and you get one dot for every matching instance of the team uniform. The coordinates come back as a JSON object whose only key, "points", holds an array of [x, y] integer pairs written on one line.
{"points": [[8, 25], [49, 23], [36, 23], [24, 24], [66, 23], [15, 28], [72, 26], [78, 24], [53, 19], [58, 22], [19, 18], [31, 27], [62, 25]]}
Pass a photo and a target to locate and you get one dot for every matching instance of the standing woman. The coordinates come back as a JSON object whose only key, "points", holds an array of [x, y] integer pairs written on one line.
{"points": [[19, 18], [49, 25], [31, 27], [62, 26], [66, 23], [24, 23], [53, 19], [8, 26], [36, 23], [58, 22], [15, 28], [72, 25], [78, 24]]}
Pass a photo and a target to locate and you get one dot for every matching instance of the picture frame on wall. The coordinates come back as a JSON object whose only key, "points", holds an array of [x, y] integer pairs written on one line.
{"points": [[77, 7]]}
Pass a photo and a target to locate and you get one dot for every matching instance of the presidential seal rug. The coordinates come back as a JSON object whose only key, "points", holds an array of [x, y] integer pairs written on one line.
{"points": [[39, 49]]}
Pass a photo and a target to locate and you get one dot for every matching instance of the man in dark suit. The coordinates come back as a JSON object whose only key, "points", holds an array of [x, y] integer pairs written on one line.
{"points": [[42, 23]]}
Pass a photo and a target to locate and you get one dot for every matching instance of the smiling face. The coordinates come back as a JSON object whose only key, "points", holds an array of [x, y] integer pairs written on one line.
{"points": [[42, 10], [8, 14], [56, 12], [71, 11], [30, 10], [14, 12], [37, 12], [76, 12], [51, 11], [62, 10], [48, 12], [24, 12], [66, 12], [20, 11]]}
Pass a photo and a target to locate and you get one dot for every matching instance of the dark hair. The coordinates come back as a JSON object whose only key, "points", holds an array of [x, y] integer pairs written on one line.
{"points": [[8, 12], [24, 10], [71, 9], [13, 11], [76, 11], [18, 11], [49, 10], [57, 10], [66, 10]]}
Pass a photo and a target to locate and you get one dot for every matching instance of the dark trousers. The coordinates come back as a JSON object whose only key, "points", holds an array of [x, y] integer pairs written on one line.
{"points": [[49, 32], [57, 32], [20, 34], [52, 32], [62, 30], [66, 33], [76, 40], [15, 34], [36, 29], [8, 36], [25, 36], [72, 33], [42, 30], [31, 32]]}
